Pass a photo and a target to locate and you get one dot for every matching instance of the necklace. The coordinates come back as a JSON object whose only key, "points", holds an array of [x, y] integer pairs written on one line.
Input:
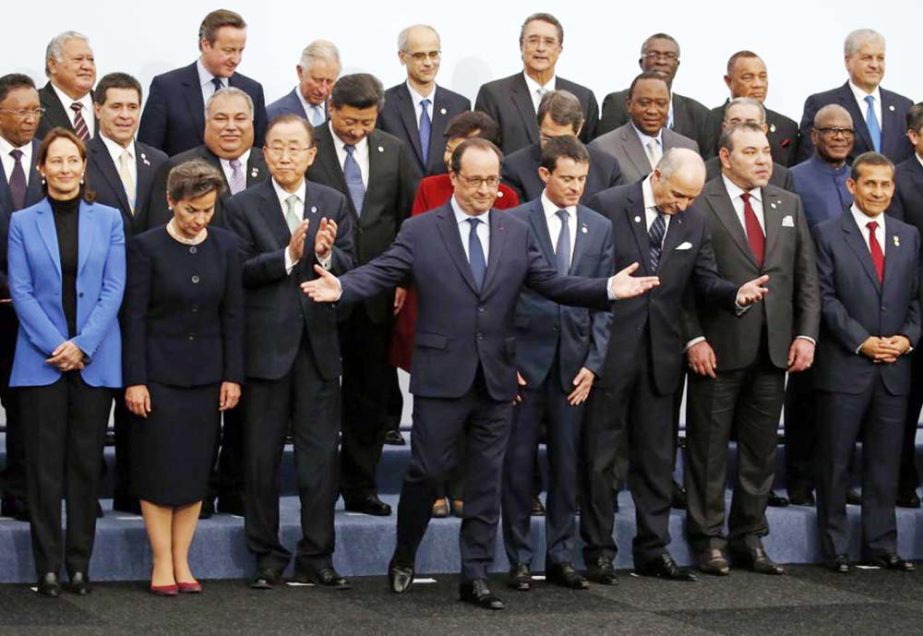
{"points": [[172, 231]]}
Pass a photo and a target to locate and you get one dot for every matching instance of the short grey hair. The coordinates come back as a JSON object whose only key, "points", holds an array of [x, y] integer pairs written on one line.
{"points": [[676, 159], [230, 91], [55, 48], [745, 101], [828, 109], [404, 35], [324, 50], [858, 37]]}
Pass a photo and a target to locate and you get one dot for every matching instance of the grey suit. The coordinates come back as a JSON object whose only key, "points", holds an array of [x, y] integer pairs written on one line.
{"points": [[689, 116], [623, 144]]}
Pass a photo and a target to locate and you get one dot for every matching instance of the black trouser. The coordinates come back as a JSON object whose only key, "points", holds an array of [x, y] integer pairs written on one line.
{"points": [[227, 478], [14, 474], [800, 431], [64, 442], [122, 489], [909, 473], [311, 404]]}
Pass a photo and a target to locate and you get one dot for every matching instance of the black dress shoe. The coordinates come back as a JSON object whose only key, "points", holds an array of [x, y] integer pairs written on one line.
{"points": [[713, 562], [907, 499], [678, 498], [839, 564], [325, 577], [520, 578], [207, 510], [79, 584], [891, 562], [854, 497], [129, 505], [265, 579], [601, 571], [231, 504], [400, 576], [757, 560], [49, 586], [371, 505], [478, 593], [565, 575], [14, 508], [99, 510], [776, 500], [799, 496], [394, 438], [538, 510], [665, 567]]}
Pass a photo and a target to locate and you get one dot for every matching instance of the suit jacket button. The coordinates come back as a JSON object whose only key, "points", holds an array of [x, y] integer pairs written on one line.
{"points": [[191, 337], [480, 336], [480, 310], [81, 296], [195, 279], [195, 308], [193, 249]]}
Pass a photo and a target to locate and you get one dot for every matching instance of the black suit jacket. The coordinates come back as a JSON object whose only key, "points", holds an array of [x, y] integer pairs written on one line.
{"points": [[174, 115], [782, 135], [34, 194], [103, 177], [278, 313], [907, 202], [508, 101], [781, 176], [55, 115], [399, 118], [159, 213], [689, 116], [520, 172]]}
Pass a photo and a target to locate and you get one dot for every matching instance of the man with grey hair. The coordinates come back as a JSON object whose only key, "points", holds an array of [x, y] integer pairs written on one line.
{"points": [[879, 116], [68, 96], [317, 71], [416, 111]]}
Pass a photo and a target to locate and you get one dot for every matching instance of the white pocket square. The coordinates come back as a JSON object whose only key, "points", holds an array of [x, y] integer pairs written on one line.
{"points": [[684, 246], [788, 221]]}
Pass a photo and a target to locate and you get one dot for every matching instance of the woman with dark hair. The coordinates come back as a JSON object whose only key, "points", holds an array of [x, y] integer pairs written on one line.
{"points": [[67, 277], [183, 364]]}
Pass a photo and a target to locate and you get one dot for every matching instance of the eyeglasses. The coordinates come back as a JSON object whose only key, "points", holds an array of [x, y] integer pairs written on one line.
{"points": [[670, 56], [277, 152], [24, 113], [477, 182], [422, 56], [833, 132]]}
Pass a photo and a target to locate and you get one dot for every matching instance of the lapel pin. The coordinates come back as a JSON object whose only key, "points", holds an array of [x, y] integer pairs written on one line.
{"points": [[144, 159], [637, 219], [254, 173], [772, 128], [891, 108], [897, 241], [442, 111], [583, 229], [313, 209], [381, 149], [772, 205]]}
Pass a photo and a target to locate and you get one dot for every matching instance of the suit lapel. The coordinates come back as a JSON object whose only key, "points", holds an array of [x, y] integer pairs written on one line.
{"points": [[146, 174], [99, 155], [6, 197], [540, 226], [86, 231], [45, 222], [675, 233], [636, 219], [448, 229], [522, 101], [773, 214], [379, 158], [440, 118], [894, 255], [34, 188], [856, 242], [328, 161], [635, 151], [720, 202], [890, 120], [256, 167], [848, 101], [581, 238], [54, 109], [192, 94], [273, 214], [497, 241], [406, 108]]}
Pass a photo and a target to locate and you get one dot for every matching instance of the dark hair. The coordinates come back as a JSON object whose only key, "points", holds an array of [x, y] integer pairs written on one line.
{"points": [[463, 124], [11, 82], [740, 54], [542, 17], [660, 36], [208, 30], [563, 107], [359, 90], [726, 138], [192, 179], [472, 142], [115, 80], [914, 117], [870, 158], [563, 147], [86, 193], [288, 118], [646, 75]]}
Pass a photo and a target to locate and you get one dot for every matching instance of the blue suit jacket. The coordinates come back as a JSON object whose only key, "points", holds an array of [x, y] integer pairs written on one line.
{"points": [[35, 285], [822, 189], [855, 305], [542, 327], [461, 329], [907, 203], [288, 104], [174, 115], [34, 194], [520, 172]]}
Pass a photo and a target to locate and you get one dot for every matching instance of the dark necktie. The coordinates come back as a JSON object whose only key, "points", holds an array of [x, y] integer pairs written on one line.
{"points": [[755, 236], [18, 180], [562, 249], [426, 129], [476, 254], [353, 176], [878, 257], [657, 232], [80, 124], [216, 82]]}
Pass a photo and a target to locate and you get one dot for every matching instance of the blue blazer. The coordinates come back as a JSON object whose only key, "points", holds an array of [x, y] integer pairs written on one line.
{"points": [[35, 285], [542, 327], [855, 305], [907, 203], [288, 104]]}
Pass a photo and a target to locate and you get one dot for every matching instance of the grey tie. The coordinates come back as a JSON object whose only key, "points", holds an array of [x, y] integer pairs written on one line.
{"points": [[291, 216], [238, 179], [562, 249]]}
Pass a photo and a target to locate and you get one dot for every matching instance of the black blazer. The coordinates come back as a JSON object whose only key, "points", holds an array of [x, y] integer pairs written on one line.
{"points": [[689, 116], [174, 115], [508, 101], [183, 323], [782, 135], [520, 172], [781, 176], [103, 178], [399, 118], [277, 312], [55, 115], [159, 213], [907, 202], [34, 194]]}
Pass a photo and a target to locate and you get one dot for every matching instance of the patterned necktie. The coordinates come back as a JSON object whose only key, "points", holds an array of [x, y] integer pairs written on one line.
{"points": [[238, 179], [657, 232], [125, 175], [878, 257], [755, 236], [562, 249], [871, 122], [426, 129], [476, 254], [291, 215], [353, 176], [18, 180], [80, 124]]}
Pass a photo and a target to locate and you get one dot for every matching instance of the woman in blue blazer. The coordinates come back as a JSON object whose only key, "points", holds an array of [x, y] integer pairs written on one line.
{"points": [[67, 277]]}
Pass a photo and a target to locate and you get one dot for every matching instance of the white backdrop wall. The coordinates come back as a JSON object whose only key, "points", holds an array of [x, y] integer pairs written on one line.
{"points": [[801, 42]]}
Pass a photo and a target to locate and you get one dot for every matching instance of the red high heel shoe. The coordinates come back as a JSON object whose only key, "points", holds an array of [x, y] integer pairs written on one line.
{"points": [[165, 590], [193, 587]]}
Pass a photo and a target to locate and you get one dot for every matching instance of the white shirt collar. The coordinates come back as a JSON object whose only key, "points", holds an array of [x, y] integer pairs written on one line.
{"points": [[417, 97], [647, 193], [341, 145], [861, 94], [862, 219], [734, 190], [461, 216], [534, 86], [919, 158], [551, 210], [6, 147], [116, 150], [244, 159], [205, 77], [86, 101], [283, 194], [645, 138], [305, 104]]}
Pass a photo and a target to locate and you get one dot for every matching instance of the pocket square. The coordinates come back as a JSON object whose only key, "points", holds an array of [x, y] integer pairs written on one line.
{"points": [[788, 221], [686, 245]]}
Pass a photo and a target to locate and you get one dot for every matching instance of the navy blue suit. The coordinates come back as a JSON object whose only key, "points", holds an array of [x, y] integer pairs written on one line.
{"points": [[288, 104], [520, 172], [174, 115], [553, 343], [464, 363], [855, 394]]}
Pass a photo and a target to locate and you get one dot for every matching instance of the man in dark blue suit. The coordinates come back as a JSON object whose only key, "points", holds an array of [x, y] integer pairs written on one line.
{"points": [[174, 115], [317, 72], [468, 264], [879, 116], [417, 111], [20, 187], [868, 270], [559, 353]]}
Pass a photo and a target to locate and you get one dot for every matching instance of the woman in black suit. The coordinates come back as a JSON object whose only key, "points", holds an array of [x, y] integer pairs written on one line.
{"points": [[183, 364]]}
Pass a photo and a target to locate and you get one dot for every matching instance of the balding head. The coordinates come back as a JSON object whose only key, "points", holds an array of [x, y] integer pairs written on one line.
{"points": [[833, 134], [677, 180]]}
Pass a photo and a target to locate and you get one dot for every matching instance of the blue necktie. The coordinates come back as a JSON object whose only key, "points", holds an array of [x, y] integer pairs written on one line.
{"points": [[562, 249], [426, 129], [476, 254], [353, 177], [657, 232], [871, 121], [216, 81]]}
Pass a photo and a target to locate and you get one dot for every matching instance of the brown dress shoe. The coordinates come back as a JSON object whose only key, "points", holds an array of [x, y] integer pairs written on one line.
{"points": [[713, 562]]}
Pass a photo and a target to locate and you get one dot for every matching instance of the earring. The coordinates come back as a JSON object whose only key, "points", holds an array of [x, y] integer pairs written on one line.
{"points": [[81, 180]]}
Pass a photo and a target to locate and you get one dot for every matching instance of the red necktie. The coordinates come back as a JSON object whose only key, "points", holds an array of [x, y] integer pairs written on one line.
{"points": [[80, 124], [754, 232], [878, 257]]}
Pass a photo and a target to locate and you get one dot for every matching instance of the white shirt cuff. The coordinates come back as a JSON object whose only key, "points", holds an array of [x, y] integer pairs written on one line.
{"points": [[694, 341]]}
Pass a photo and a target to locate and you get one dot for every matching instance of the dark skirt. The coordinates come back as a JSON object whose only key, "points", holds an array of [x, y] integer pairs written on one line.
{"points": [[172, 450]]}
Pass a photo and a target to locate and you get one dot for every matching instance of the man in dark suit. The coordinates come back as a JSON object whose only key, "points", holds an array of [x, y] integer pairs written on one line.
{"points": [[558, 355], [317, 72], [513, 101], [20, 187], [121, 171], [739, 363], [685, 116], [174, 115], [639, 144], [468, 264], [417, 111], [747, 77], [868, 268], [374, 170], [293, 362], [68, 96], [559, 113], [879, 116]]}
